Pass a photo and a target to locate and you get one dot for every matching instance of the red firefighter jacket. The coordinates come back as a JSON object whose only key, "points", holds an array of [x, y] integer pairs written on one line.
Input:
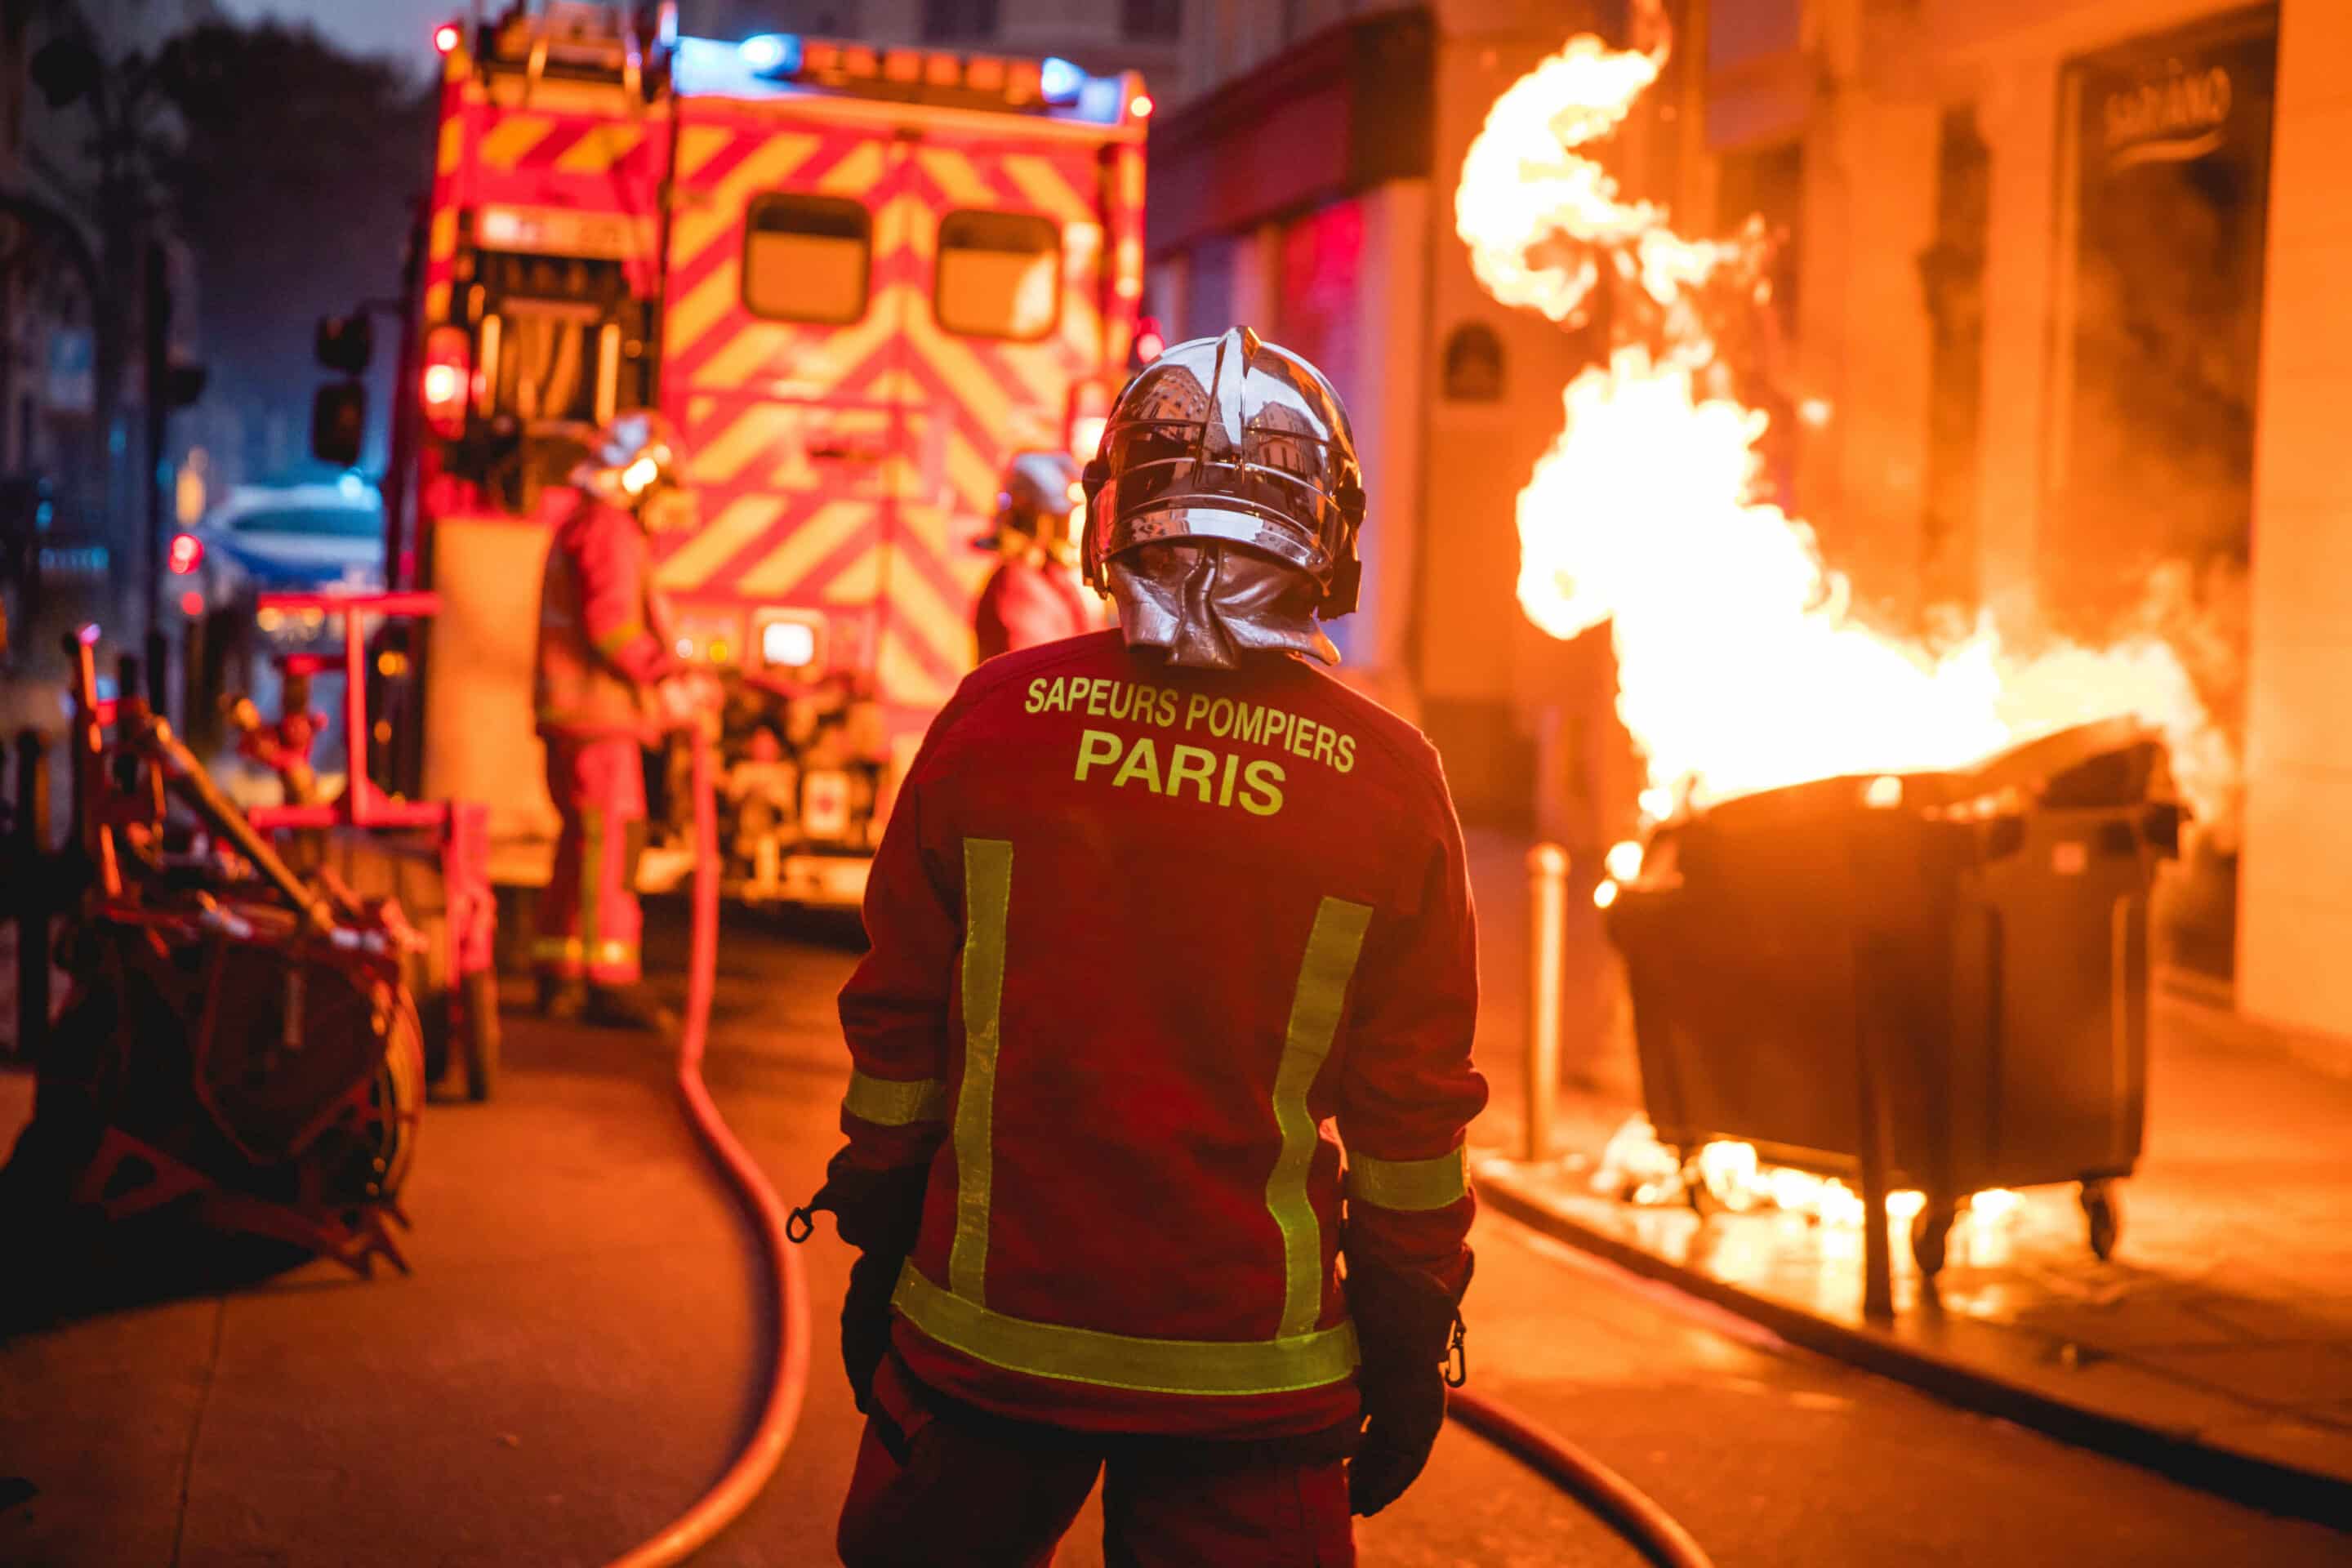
{"points": [[1151, 947], [604, 633], [1026, 604]]}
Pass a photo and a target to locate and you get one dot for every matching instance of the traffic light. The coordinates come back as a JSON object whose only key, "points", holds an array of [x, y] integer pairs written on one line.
{"points": [[184, 383], [346, 343], [338, 423]]}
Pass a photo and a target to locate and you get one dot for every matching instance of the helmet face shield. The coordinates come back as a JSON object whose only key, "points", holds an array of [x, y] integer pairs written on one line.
{"points": [[633, 459], [1038, 502], [1236, 440]]}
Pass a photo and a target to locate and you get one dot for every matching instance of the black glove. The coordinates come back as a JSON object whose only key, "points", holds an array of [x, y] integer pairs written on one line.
{"points": [[879, 1213], [866, 1322], [1405, 1324]]}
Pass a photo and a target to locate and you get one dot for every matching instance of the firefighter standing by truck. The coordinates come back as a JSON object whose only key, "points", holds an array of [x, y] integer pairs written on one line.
{"points": [[608, 681], [1158, 907], [1033, 596]]}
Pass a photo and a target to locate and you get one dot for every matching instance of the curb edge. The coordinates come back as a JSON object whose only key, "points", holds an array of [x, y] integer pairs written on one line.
{"points": [[2264, 1484]]}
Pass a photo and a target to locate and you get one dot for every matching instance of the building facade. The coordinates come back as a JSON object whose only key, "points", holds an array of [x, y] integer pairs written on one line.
{"points": [[2066, 281], [2056, 282], [1104, 36]]}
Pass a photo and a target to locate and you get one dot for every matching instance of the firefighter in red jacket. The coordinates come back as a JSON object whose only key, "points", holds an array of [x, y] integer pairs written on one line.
{"points": [[607, 682], [1167, 1010], [1033, 596]]}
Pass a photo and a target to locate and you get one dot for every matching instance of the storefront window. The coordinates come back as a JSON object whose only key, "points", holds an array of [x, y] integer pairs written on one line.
{"points": [[948, 21], [2166, 155], [2160, 306], [1153, 18]]}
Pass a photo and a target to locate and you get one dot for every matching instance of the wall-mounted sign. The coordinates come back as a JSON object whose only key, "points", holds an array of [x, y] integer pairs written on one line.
{"points": [[1473, 364], [2178, 111]]}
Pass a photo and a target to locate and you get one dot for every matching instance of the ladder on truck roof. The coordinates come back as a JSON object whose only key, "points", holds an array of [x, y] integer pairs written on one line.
{"points": [[577, 40]]}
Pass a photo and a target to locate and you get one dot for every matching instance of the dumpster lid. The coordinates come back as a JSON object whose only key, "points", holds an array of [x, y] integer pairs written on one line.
{"points": [[2107, 762]]}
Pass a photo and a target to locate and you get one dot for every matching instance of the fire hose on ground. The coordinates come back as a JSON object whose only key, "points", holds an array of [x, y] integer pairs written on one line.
{"points": [[1619, 1504], [1642, 1522], [787, 1283]]}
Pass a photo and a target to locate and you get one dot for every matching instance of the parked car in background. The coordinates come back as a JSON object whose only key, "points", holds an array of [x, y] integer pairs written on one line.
{"points": [[298, 538], [324, 536]]}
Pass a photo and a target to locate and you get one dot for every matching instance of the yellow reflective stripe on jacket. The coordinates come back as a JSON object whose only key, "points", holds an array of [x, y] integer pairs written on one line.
{"points": [[1120, 1361], [613, 642], [1323, 975], [1410, 1185], [574, 950], [891, 1102], [987, 895]]}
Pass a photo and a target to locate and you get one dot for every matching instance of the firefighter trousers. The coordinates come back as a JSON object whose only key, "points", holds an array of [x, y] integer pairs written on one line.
{"points": [[930, 1494], [589, 922]]}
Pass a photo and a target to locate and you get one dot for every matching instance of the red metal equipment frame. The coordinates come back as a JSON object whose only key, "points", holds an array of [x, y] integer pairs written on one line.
{"points": [[464, 827]]}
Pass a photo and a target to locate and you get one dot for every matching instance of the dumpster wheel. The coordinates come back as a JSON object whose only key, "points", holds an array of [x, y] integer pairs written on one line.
{"points": [[1931, 1228], [2103, 1211]]}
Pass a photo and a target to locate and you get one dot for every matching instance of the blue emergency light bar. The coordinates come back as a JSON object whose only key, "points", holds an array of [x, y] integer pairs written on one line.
{"points": [[769, 66], [771, 55], [1059, 81]]}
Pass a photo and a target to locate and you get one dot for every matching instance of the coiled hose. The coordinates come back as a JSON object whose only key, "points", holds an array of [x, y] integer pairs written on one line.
{"points": [[787, 1283]]}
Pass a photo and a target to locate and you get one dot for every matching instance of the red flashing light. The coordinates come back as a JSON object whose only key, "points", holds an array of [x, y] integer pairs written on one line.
{"points": [[187, 553], [445, 38], [1151, 342], [446, 378], [191, 603], [1141, 106]]}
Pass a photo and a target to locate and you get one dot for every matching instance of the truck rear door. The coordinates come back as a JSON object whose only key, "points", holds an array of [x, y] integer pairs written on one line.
{"points": [[781, 344], [866, 319], [1003, 321]]}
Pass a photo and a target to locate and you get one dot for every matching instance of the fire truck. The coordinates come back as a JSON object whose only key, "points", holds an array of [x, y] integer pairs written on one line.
{"points": [[859, 279]]}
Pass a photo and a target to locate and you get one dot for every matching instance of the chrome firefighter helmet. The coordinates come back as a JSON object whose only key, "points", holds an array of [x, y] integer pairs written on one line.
{"points": [[636, 456], [1223, 505], [1040, 492]]}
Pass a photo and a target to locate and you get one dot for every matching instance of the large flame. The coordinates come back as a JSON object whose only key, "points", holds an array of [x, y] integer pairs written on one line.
{"points": [[1740, 664]]}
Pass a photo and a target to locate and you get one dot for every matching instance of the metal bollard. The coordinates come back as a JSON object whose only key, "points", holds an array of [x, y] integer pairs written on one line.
{"points": [[1547, 955]]}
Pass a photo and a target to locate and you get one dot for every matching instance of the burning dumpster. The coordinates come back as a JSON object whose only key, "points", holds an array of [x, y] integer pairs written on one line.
{"points": [[1961, 957]]}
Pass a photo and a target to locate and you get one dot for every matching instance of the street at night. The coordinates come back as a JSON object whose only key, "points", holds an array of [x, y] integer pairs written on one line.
{"points": [[983, 784], [575, 1351]]}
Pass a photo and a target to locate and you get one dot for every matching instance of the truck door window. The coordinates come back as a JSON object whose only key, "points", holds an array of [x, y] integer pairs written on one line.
{"points": [[806, 259], [554, 354], [1000, 275]]}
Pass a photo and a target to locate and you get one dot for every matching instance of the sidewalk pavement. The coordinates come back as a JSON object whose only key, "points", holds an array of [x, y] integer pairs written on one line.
{"points": [[567, 1367], [2220, 1333]]}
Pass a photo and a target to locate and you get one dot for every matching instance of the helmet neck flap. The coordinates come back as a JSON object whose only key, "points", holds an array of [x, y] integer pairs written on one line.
{"points": [[1206, 603]]}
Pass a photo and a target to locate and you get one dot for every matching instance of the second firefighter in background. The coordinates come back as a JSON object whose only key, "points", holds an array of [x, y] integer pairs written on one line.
{"points": [[1034, 596], [608, 683]]}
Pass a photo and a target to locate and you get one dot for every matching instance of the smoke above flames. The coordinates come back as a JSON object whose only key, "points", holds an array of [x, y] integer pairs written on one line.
{"points": [[1742, 663]]}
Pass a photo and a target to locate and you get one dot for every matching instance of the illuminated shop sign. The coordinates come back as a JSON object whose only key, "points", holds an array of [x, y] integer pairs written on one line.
{"points": [[2183, 114]]}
